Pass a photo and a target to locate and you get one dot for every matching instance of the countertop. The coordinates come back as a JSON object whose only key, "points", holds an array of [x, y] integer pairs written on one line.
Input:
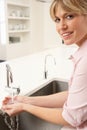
{"points": [[28, 71]]}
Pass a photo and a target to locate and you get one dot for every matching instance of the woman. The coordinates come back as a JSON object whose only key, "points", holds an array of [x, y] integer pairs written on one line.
{"points": [[70, 17]]}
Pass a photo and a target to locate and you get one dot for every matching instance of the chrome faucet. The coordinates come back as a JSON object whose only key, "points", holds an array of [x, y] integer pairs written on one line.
{"points": [[45, 66], [11, 89], [9, 75]]}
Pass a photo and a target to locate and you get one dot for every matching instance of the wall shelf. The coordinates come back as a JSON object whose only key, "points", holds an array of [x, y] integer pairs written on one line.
{"points": [[19, 31], [18, 19]]}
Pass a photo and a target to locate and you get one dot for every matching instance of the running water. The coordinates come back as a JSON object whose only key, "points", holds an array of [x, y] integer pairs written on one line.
{"points": [[11, 122]]}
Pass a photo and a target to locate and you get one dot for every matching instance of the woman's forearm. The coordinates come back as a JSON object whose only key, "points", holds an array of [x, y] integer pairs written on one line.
{"points": [[54, 100], [49, 114]]}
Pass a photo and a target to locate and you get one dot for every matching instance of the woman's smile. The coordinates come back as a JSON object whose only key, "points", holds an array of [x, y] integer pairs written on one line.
{"points": [[66, 35]]}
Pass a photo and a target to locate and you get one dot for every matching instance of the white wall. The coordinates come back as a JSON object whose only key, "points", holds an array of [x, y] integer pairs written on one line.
{"points": [[44, 34], [37, 23], [51, 37]]}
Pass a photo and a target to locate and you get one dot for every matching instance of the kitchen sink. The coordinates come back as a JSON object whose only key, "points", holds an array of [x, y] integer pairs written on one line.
{"points": [[51, 88], [28, 121]]}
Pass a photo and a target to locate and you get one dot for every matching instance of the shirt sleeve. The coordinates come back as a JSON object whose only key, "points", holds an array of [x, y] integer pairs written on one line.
{"points": [[75, 108]]}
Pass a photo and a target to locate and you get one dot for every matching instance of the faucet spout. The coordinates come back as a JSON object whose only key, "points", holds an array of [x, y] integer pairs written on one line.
{"points": [[9, 75]]}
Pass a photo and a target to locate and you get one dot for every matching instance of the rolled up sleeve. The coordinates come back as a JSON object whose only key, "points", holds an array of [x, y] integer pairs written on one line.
{"points": [[75, 117], [75, 108]]}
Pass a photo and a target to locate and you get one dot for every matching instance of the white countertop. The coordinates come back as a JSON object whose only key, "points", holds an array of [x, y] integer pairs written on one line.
{"points": [[28, 71]]}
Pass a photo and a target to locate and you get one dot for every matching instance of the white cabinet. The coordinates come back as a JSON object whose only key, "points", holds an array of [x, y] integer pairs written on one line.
{"points": [[18, 19], [16, 26]]}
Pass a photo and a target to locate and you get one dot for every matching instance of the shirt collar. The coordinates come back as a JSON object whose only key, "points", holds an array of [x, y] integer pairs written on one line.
{"points": [[79, 53]]}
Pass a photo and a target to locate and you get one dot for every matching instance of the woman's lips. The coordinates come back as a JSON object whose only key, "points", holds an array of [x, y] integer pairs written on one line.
{"points": [[66, 35]]}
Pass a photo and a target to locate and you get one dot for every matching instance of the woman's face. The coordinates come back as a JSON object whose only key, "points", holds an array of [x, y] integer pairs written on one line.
{"points": [[71, 27]]}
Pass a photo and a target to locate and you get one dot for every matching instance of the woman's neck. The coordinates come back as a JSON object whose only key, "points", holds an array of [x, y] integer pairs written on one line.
{"points": [[82, 41]]}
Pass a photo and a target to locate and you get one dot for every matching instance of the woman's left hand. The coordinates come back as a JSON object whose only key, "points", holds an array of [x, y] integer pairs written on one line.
{"points": [[13, 109]]}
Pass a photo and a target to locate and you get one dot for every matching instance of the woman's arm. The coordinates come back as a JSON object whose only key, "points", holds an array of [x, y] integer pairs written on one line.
{"points": [[44, 107], [54, 100], [53, 115]]}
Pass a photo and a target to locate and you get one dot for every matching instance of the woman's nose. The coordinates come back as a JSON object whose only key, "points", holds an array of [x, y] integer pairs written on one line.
{"points": [[62, 25]]}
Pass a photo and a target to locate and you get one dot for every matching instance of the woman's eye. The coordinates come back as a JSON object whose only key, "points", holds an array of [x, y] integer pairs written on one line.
{"points": [[69, 17], [57, 20]]}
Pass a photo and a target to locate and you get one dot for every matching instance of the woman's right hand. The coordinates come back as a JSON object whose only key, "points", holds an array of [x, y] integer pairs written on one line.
{"points": [[21, 99], [6, 100], [13, 109]]}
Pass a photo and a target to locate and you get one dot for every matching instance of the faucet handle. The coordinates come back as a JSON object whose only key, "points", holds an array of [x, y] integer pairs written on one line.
{"points": [[45, 65], [45, 74]]}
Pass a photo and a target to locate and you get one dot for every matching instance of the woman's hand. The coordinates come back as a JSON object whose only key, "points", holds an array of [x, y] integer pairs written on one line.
{"points": [[22, 99], [13, 109], [8, 100]]}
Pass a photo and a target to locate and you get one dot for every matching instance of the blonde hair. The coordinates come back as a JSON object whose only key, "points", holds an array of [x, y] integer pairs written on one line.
{"points": [[76, 6]]}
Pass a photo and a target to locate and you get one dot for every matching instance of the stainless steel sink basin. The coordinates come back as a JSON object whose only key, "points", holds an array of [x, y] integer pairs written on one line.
{"points": [[30, 122], [51, 88]]}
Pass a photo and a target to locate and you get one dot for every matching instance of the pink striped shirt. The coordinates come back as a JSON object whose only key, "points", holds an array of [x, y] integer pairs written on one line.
{"points": [[75, 108]]}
